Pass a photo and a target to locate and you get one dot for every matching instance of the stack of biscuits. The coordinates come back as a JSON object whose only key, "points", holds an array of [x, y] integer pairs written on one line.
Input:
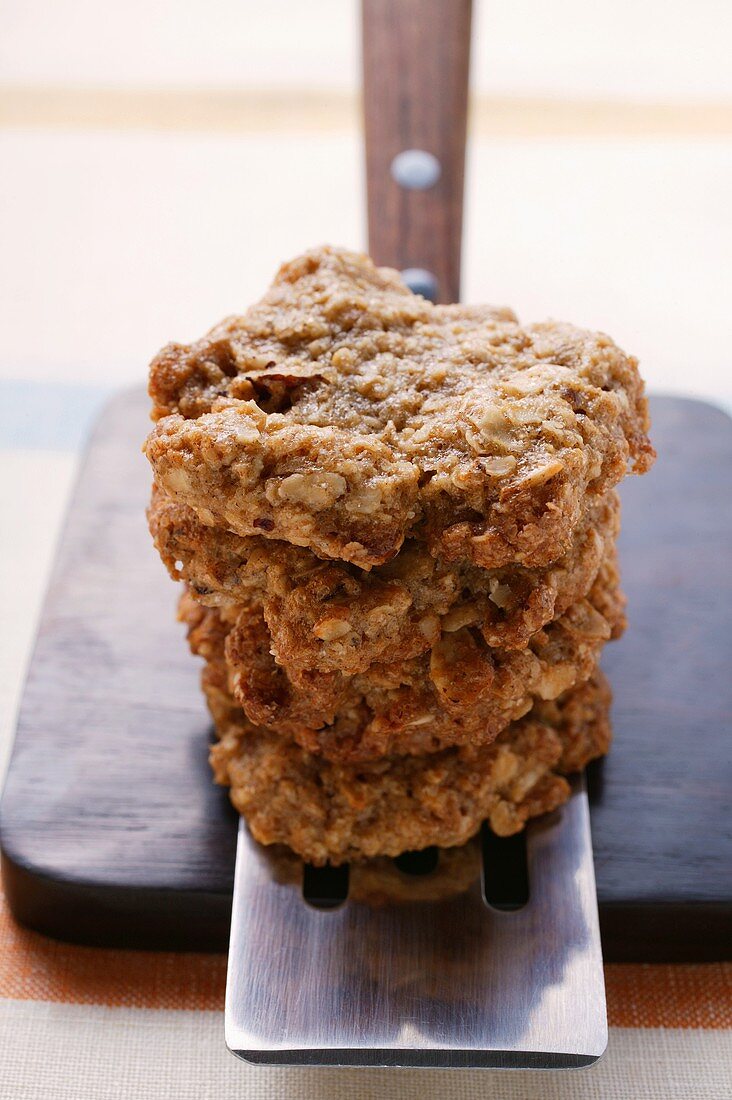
{"points": [[396, 525]]}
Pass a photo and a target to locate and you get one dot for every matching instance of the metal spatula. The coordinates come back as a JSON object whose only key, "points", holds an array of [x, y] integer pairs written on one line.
{"points": [[506, 971], [455, 982]]}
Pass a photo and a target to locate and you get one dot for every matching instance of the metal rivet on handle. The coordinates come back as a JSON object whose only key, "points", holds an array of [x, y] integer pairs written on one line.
{"points": [[421, 282], [415, 169]]}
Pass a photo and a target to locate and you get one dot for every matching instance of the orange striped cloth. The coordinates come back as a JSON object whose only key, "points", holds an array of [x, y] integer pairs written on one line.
{"points": [[35, 968]]}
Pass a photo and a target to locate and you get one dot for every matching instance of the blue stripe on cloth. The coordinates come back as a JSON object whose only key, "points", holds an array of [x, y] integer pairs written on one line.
{"points": [[47, 416]]}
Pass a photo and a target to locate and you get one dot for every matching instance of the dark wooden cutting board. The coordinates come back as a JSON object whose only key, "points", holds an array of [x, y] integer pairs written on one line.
{"points": [[113, 833]]}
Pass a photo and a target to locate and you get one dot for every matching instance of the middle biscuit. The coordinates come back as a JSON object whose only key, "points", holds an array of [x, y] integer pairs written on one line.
{"points": [[459, 692], [336, 618]]}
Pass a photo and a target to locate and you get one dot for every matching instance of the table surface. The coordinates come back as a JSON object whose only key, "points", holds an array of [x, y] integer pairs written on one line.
{"points": [[82, 1023], [147, 190]]}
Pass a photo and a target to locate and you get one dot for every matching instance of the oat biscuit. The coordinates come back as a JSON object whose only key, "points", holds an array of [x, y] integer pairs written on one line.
{"points": [[379, 882], [333, 616], [345, 414], [339, 812], [460, 693]]}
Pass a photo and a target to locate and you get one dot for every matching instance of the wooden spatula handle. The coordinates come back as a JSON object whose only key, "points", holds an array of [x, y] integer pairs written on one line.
{"points": [[415, 74]]}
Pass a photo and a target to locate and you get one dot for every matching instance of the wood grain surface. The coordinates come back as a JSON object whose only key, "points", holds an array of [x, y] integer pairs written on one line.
{"points": [[416, 56], [113, 833]]}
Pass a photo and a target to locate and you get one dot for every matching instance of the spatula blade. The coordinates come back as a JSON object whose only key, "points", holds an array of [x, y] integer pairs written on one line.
{"points": [[449, 983]]}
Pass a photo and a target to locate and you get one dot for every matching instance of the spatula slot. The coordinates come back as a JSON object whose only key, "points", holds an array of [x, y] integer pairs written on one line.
{"points": [[423, 862], [325, 887], [505, 877]]}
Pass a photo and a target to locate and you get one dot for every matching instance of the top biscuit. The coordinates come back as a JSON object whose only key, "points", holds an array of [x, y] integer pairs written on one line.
{"points": [[345, 413]]}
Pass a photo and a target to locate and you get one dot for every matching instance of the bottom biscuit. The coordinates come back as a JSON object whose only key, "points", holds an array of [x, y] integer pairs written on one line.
{"points": [[329, 812], [380, 882]]}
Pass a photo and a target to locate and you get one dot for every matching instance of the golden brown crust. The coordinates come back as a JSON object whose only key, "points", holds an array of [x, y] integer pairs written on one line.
{"points": [[332, 616], [345, 414], [339, 812], [584, 717], [461, 692]]}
